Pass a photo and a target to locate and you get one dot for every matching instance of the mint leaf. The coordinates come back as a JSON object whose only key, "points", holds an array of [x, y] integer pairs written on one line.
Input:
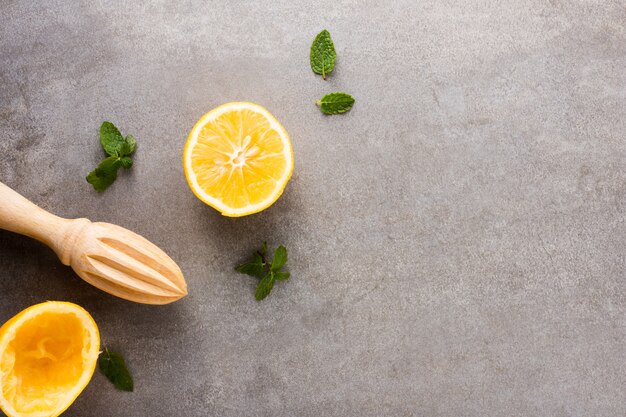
{"points": [[127, 162], [281, 275], [131, 142], [280, 258], [108, 166], [105, 174], [111, 139], [335, 103], [254, 267], [127, 149], [265, 287], [113, 366], [101, 183], [323, 54], [124, 150], [263, 251]]}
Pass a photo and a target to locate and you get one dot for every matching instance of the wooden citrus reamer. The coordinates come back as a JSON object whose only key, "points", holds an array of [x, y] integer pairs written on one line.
{"points": [[109, 257]]}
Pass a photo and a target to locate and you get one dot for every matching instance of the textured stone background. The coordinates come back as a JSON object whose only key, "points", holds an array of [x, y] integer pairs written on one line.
{"points": [[457, 240]]}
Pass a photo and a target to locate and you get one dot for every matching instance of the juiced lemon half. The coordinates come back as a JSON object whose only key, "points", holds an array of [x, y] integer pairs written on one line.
{"points": [[48, 354], [238, 159]]}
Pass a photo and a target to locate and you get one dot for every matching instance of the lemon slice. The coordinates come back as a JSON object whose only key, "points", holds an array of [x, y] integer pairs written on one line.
{"points": [[238, 159], [48, 354]]}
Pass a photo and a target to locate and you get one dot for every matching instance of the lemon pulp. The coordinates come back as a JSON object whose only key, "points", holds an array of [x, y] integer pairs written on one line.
{"points": [[46, 361]]}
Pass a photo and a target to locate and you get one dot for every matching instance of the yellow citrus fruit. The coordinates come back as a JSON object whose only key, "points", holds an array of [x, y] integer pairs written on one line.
{"points": [[238, 159], [48, 354]]}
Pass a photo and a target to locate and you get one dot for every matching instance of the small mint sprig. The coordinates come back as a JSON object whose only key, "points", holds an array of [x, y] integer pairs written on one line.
{"points": [[119, 150], [267, 271]]}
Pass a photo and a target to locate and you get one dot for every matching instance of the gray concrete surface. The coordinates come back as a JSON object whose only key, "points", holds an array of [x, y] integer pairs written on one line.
{"points": [[457, 240]]}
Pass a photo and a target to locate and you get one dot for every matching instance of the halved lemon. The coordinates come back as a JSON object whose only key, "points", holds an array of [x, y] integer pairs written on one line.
{"points": [[238, 159], [48, 354]]}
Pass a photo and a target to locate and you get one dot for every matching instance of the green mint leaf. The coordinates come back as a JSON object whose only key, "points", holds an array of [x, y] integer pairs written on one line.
{"points": [[281, 275], [335, 103], [131, 143], [113, 366], [128, 147], [108, 166], [100, 183], [264, 248], [127, 162], [323, 54], [280, 258], [254, 267], [111, 139], [265, 287], [105, 174]]}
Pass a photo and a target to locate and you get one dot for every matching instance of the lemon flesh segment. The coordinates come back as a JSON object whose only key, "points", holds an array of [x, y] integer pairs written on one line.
{"points": [[238, 159], [48, 354]]}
